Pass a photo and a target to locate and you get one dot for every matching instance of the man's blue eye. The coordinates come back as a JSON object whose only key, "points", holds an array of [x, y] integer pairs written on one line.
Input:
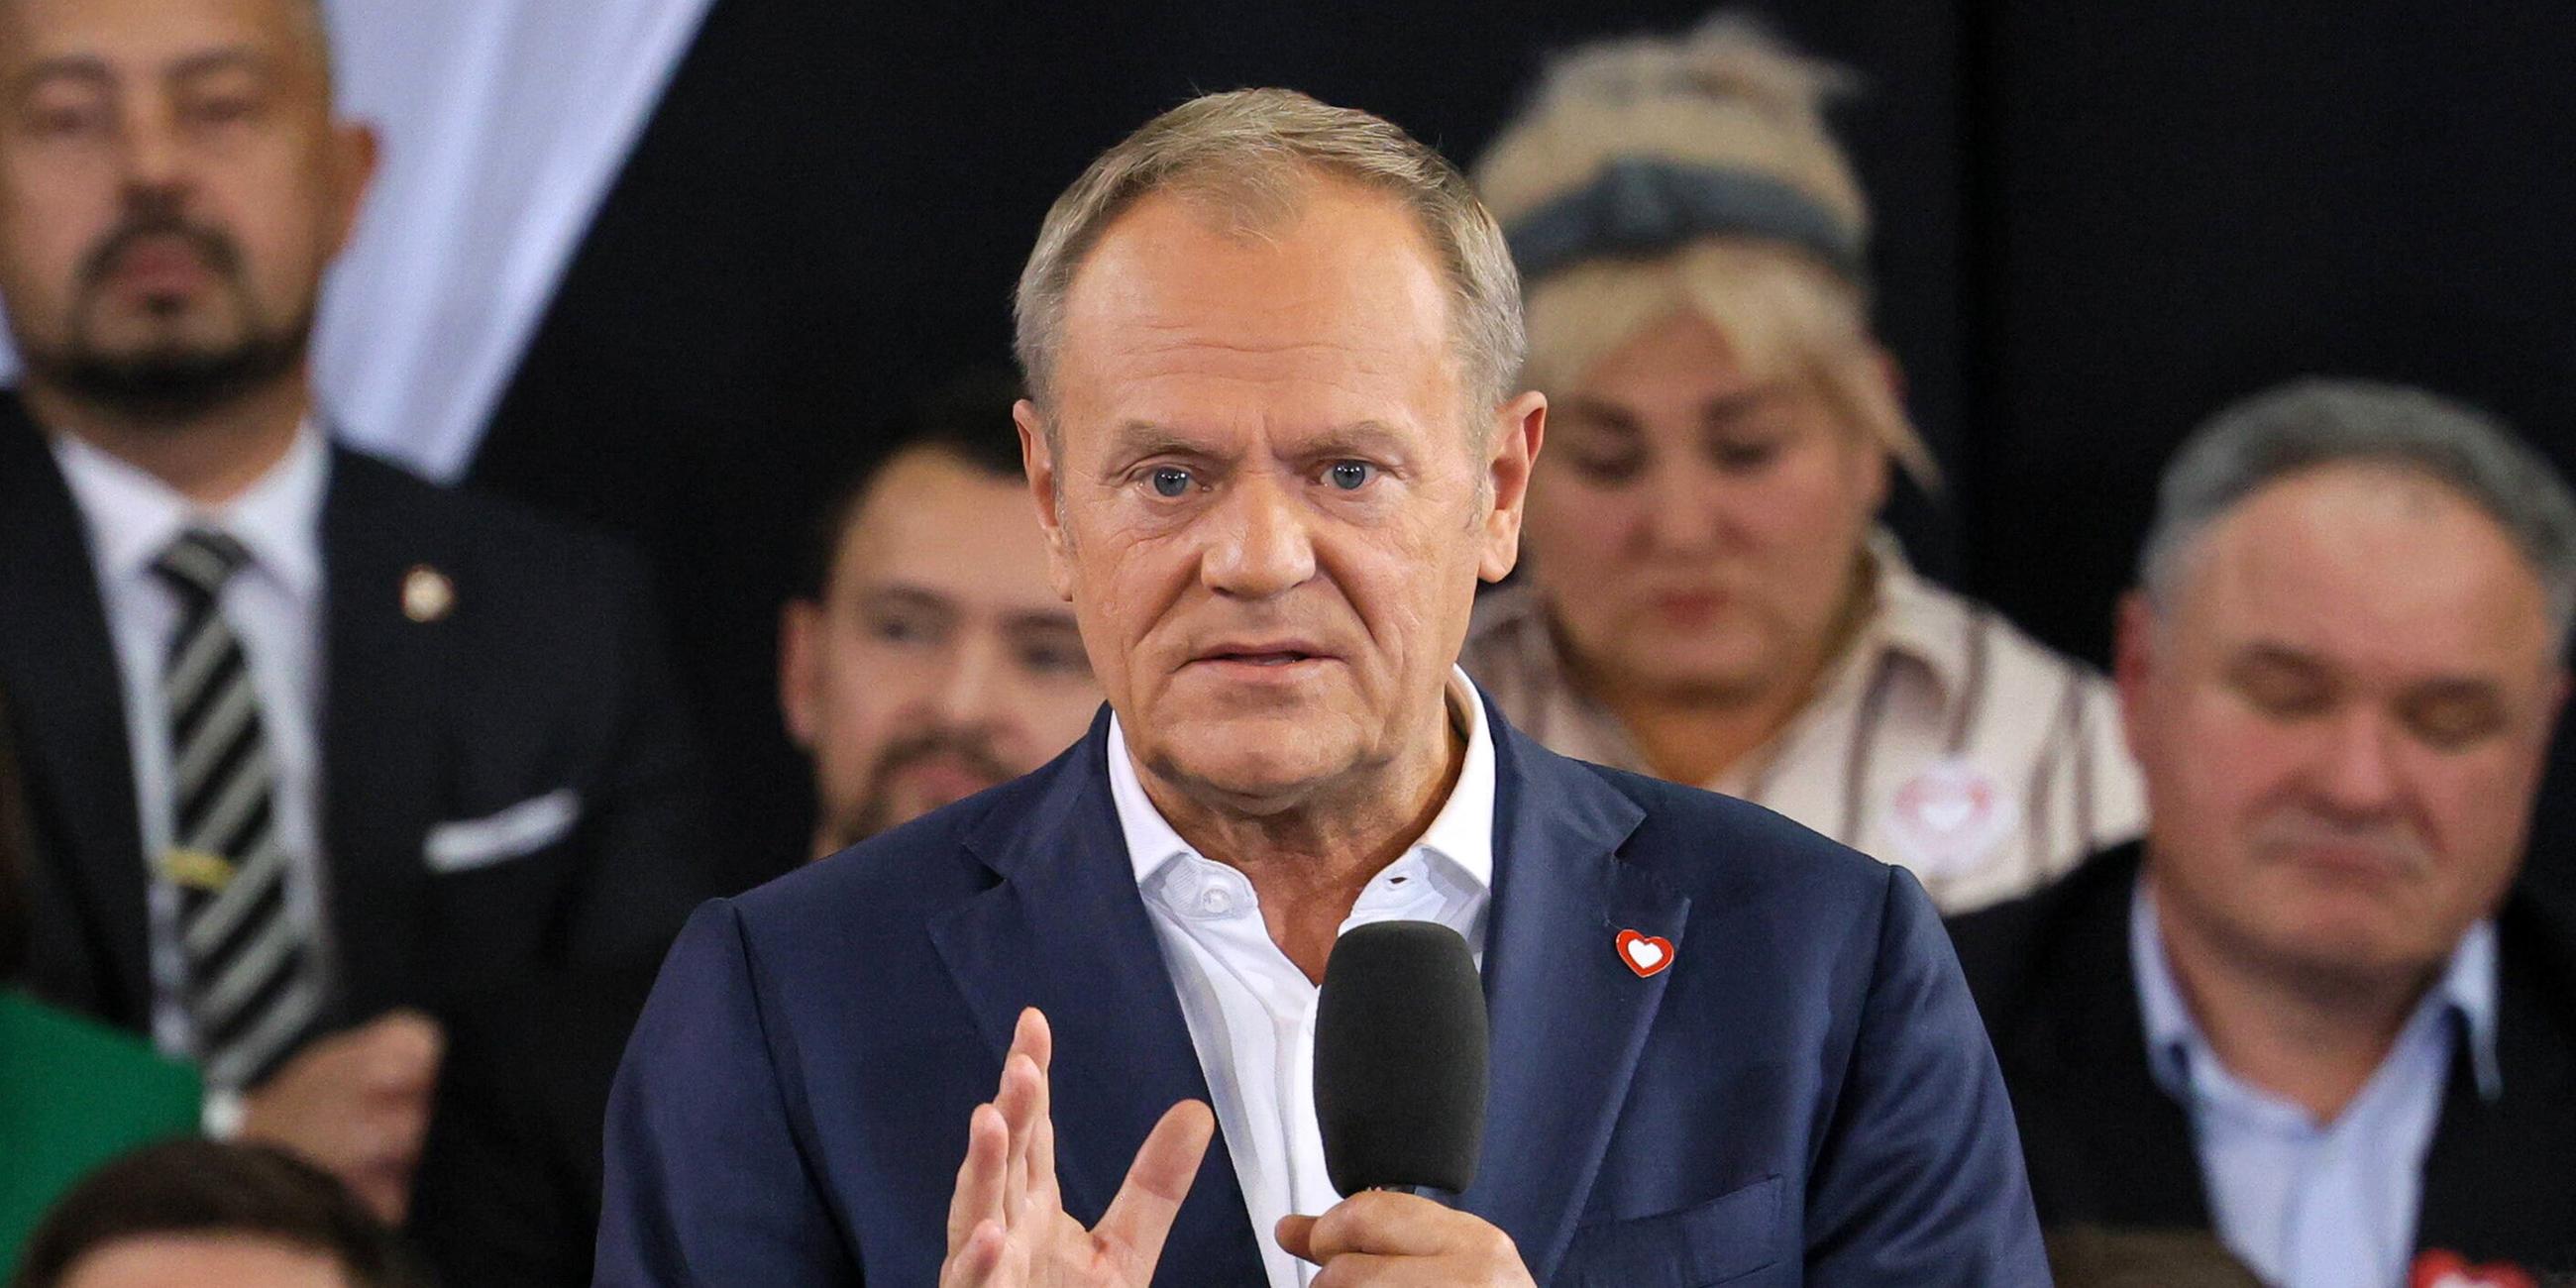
{"points": [[1351, 476], [1171, 481]]}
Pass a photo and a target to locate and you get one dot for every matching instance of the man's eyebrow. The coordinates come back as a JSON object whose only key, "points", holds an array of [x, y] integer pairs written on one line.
{"points": [[1363, 437], [228, 58], [1042, 620], [2444, 688], [904, 596], [81, 67], [2270, 653], [1146, 438]]}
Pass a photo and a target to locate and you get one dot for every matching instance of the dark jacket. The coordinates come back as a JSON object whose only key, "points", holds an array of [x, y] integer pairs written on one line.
{"points": [[545, 676], [1802, 1093], [2108, 1148]]}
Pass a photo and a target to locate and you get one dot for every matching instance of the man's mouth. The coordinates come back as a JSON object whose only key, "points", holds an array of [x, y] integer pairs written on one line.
{"points": [[1281, 657]]}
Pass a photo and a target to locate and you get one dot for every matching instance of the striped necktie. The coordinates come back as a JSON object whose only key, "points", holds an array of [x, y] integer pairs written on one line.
{"points": [[254, 986]]}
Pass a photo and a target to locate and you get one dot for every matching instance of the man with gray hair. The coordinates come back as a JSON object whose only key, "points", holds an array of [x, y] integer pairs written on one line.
{"points": [[1274, 443], [2310, 1015]]}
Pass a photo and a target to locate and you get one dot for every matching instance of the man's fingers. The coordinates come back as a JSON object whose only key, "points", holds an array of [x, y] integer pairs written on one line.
{"points": [[972, 1260], [1019, 1106], [1296, 1236], [1041, 1051], [978, 1197], [1386, 1223], [400, 1053], [1141, 1216]]}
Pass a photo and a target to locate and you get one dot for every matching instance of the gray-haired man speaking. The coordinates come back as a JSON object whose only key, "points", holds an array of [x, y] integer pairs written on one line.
{"points": [[1061, 1032]]}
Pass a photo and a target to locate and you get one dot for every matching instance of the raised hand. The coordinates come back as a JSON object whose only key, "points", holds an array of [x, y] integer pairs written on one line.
{"points": [[1007, 1227]]}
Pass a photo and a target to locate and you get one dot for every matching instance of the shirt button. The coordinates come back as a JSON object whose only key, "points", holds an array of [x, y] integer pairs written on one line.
{"points": [[1215, 902]]}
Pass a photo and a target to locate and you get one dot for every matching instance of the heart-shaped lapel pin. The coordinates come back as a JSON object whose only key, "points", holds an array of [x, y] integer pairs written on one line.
{"points": [[1645, 954], [2439, 1268]]}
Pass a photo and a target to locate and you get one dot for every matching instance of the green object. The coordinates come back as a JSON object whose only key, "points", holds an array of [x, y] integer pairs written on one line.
{"points": [[73, 1094]]}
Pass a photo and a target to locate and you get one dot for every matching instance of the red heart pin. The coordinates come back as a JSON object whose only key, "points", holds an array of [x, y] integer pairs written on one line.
{"points": [[1645, 954], [2439, 1268]]}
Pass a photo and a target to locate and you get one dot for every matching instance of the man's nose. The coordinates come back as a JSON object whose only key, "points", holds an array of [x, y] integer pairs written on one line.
{"points": [[153, 152], [969, 694], [2359, 774], [1258, 544]]}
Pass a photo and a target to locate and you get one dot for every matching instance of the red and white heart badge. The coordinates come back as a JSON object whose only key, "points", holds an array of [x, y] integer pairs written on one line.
{"points": [[1947, 816], [2437, 1268], [1645, 954]]}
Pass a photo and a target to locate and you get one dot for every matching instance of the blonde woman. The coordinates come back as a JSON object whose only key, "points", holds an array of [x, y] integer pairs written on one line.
{"points": [[1711, 599]]}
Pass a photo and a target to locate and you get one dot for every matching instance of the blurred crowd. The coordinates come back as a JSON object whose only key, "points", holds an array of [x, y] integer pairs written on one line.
{"points": [[344, 817]]}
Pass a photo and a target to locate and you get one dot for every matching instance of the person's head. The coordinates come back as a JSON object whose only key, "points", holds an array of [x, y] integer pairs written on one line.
{"points": [[2339, 674], [212, 1215], [926, 657], [1692, 242], [172, 185], [1271, 346]]}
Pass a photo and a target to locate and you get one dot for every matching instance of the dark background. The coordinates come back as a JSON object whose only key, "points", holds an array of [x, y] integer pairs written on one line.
{"points": [[2098, 221]]}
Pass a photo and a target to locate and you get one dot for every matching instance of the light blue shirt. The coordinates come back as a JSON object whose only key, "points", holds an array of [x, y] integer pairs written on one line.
{"points": [[2308, 1204]]}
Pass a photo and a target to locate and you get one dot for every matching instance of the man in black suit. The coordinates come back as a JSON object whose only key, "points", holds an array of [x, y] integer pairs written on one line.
{"points": [[2312, 1016], [315, 748]]}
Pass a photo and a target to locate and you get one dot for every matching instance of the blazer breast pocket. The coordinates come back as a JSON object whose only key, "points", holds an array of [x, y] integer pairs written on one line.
{"points": [[1716, 1242], [513, 833]]}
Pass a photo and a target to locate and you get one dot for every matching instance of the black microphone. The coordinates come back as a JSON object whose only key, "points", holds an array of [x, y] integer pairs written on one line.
{"points": [[1400, 1048]]}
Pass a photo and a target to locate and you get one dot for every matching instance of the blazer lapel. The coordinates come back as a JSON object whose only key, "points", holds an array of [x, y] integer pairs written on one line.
{"points": [[1066, 931], [384, 681], [66, 698], [1561, 1002]]}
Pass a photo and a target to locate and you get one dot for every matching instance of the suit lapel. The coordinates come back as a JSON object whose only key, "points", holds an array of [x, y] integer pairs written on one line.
{"points": [[1571, 1014], [2497, 1179], [384, 681], [66, 695], [2105, 1144], [1066, 931]]}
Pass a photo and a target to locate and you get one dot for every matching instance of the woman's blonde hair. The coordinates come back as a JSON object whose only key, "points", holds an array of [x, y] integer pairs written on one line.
{"points": [[1729, 98]]}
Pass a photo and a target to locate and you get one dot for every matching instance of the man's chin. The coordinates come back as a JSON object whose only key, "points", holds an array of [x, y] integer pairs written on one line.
{"points": [[1251, 761]]}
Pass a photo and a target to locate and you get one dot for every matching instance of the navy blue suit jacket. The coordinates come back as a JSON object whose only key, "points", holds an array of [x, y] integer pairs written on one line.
{"points": [[1804, 1095]]}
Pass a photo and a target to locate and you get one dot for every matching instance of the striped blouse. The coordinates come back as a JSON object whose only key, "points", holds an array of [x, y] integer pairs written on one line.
{"points": [[1942, 739]]}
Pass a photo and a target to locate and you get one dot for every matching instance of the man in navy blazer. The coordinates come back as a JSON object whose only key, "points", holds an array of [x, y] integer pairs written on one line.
{"points": [[996, 1046]]}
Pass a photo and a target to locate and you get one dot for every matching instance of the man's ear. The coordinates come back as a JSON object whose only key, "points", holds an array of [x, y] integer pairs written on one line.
{"points": [[2133, 662], [800, 670], [353, 155], [1520, 428], [1037, 461]]}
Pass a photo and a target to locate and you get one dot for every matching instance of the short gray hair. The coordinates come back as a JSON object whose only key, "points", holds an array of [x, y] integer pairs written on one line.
{"points": [[2319, 422], [1251, 155]]}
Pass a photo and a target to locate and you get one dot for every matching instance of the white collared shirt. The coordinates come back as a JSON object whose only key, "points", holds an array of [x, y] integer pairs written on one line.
{"points": [[1251, 1011], [274, 605]]}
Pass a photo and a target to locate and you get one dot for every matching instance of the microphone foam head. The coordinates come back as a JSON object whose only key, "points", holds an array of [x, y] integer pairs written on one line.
{"points": [[1400, 1049]]}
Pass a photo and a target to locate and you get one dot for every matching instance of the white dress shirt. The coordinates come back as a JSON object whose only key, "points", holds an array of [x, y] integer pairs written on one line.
{"points": [[274, 606], [1251, 1011]]}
